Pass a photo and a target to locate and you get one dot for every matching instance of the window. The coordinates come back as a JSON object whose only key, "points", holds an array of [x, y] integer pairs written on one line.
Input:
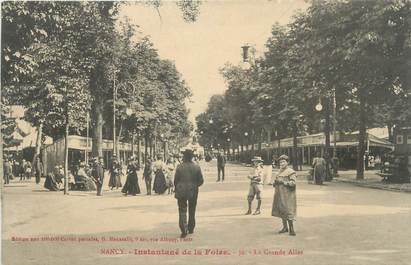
{"points": [[409, 139], [400, 139]]}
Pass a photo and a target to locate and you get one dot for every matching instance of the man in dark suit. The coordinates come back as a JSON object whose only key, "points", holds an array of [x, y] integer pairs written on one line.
{"points": [[220, 165], [6, 171], [98, 175], [38, 169], [187, 179]]}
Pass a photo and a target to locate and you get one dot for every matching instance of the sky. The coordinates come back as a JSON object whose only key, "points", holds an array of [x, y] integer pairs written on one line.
{"points": [[201, 48]]}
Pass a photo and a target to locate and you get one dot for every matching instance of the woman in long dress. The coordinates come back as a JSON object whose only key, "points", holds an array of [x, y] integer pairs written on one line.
{"points": [[170, 175], [319, 170], [131, 186], [115, 174], [285, 201], [160, 184]]}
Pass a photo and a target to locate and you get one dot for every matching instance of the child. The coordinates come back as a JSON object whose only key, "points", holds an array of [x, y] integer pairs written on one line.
{"points": [[256, 185]]}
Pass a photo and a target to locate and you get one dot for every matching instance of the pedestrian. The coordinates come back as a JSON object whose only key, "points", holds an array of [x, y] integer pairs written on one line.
{"points": [[221, 166], [285, 201], [319, 169], [7, 170], [187, 179], [98, 174], [131, 186], [115, 174], [170, 171], [27, 169], [38, 169], [256, 185], [159, 168], [22, 170], [148, 174]]}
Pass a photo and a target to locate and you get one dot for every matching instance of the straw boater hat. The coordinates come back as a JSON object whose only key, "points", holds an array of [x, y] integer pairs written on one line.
{"points": [[284, 157], [257, 159]]}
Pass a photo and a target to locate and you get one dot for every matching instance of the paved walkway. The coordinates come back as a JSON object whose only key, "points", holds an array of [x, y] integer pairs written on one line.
{"points": [[337, 223]]}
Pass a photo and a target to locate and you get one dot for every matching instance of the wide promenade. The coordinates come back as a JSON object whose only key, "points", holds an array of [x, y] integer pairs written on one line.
{"points": [[337, 223]]}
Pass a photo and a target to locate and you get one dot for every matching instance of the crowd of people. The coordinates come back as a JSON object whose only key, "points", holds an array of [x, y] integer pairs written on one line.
{"points": [[172, 177]]}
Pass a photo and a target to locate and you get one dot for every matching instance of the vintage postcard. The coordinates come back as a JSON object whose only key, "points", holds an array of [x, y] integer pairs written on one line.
{"points": [[218, 132]]}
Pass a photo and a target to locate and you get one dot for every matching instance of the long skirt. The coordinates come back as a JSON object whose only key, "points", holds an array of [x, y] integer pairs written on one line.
{"points": [[319, 174], [131, 186], [284, 203], [160, 184], [115, 180]]}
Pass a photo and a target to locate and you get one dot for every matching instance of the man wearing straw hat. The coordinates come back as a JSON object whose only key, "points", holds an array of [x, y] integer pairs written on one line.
{"points": [[256, 185]]}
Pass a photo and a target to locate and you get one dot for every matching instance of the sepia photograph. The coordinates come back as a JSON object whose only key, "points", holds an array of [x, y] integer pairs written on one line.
{"points": [[208, 132]]}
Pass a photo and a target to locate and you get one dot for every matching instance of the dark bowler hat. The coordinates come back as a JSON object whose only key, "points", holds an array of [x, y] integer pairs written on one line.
{"points": [[188, 151]]}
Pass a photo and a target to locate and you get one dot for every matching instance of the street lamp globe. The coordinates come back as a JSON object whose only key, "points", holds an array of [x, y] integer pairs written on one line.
{"points": [[228, 139], [211, 121], [319, 107], [246, 134], [129, 111]]}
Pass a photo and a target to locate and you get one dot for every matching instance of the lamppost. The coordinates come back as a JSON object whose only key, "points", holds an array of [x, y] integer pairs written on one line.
{"points": [[319, 108], [246, 140]]}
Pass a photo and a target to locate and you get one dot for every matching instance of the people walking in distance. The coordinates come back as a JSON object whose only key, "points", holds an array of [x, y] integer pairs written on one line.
{"points": [[27, 169], [38, 169], [319, 169], [22, 170], [131, 186], [256, 185], [170, 171], [221, 160], [115, 173], [7, 171], [159, 168], [285, 202], [98, 175], [187, 180], [148, 174]]}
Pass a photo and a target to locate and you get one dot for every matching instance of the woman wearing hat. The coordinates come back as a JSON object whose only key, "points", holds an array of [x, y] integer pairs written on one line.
{"points": [[256, 185], [285, 201], [115, 174], [160, 184], [131, 186]]}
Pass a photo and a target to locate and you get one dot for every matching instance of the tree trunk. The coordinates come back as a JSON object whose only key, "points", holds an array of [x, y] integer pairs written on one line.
{"points": [[97, 148], [327, 129], [38, 143], [294, 151], [145, 146], [66, 171], [138, 150], [361, 136], [132, 144], [390, 134], [120, 131], [38, 139]]}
